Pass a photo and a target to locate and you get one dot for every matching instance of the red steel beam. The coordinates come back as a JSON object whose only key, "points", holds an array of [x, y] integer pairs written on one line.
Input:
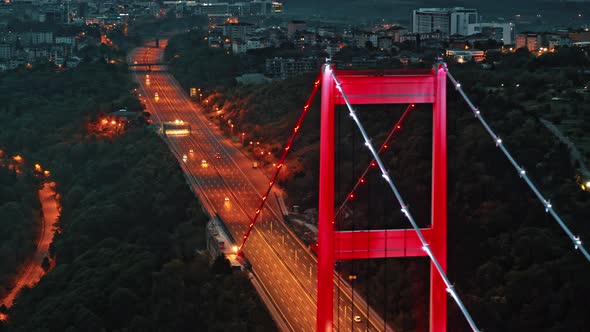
{"points": [[386, 89], [388, 243]]}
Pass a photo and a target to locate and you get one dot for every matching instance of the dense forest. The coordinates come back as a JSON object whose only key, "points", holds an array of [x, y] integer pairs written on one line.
{"points": [[209, 67], [511, 263], [128, 250], [19, 217]]}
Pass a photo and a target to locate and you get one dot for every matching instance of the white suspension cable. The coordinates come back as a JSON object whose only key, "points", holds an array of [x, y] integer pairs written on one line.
{"points": [[577, 242], [404, 207]]}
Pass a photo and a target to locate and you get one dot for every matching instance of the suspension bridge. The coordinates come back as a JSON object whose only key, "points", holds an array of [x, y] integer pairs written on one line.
{"points": [[300, 285], [349, 88]]}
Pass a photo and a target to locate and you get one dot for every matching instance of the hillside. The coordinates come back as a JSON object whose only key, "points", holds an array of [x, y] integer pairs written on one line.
{"points": [[130, 233]]}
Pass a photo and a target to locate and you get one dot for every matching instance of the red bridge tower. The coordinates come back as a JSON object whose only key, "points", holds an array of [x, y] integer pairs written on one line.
{"points": [[382, 87]]}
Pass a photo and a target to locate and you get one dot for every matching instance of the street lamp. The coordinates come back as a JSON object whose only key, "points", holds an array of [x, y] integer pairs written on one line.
{"points": [[232, 130], [243, 135]]}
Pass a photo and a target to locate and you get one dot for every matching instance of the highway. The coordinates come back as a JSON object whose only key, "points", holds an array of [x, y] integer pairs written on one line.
{"points": [[282, 264]]}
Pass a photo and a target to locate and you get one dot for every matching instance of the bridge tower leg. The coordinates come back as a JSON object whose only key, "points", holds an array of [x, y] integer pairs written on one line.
{"points": [[325, 271], [438, 293], [389, 87]]}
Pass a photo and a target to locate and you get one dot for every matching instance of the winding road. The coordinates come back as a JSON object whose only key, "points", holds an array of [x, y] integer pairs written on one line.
{"points": [[31, 272]]}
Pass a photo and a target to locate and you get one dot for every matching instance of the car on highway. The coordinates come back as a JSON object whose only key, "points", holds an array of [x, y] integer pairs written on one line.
{"points": [[218, 155], [204, 163], [357, 319], [254, 164], [191, 151], [184, 157], [226, 199]]}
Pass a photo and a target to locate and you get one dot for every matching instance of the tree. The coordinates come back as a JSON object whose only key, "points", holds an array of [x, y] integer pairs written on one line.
{"points": [[46, 264], [122, 305], [221, 266]]}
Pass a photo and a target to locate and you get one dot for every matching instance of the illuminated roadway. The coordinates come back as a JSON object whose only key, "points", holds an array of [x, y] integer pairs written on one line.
{"points": [[281, 263], [33, 270]]}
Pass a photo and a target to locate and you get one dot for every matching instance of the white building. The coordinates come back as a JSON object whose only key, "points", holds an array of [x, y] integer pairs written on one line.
{"points": [[254, 43], [235, 30], [41, 38], [6, 51], [555, 41], [449, 21], [532, 41], [65, 40], [295, 26], [501, 32], [463, 56], [213, 8], [284, 68], [362, 38], [327, 32], [332, 49], [239, 47]]}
